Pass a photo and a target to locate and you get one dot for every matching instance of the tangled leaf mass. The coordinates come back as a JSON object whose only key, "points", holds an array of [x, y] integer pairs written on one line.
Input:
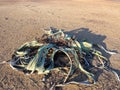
{"points": [[41, 56]]}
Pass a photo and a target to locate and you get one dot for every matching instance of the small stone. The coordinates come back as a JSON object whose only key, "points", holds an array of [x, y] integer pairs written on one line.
{"points": [[6, 18], [43, 79]]}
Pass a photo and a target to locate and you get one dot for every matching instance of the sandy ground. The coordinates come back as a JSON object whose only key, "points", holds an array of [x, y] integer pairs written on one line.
{"points": [[20, 22]]}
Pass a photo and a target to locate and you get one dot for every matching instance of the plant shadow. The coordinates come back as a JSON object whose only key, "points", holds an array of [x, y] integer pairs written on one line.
{"points": [[82, 34]]}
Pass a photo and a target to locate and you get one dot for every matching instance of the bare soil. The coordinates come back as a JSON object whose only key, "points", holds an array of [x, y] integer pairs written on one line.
{"points": [[23, 20]]}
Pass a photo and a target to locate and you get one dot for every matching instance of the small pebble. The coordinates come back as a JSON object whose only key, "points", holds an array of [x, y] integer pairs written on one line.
{"points": [[6, 18], [43, 79]]}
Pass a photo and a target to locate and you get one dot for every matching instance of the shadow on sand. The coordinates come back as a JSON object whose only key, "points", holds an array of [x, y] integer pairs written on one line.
{"points": [[85, 34]]}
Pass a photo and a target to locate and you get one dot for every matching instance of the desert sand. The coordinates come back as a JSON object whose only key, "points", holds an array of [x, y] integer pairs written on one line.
{"points": [[22, 20]]}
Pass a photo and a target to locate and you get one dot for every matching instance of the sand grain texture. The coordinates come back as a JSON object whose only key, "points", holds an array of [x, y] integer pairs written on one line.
{"points": [[20, 22]]}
